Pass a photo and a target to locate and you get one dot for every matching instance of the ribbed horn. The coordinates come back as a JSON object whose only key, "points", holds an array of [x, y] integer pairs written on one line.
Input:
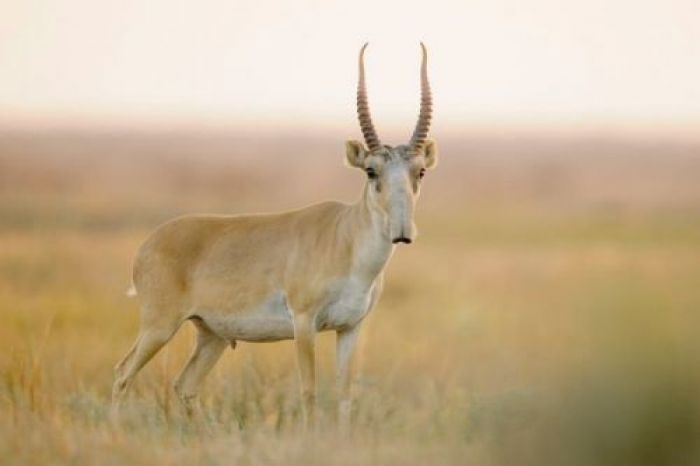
{"points": [[368, 131], [420, 134]]}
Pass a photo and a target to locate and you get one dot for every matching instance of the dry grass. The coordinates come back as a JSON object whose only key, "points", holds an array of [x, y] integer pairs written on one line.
{"points": [[547, 315]]}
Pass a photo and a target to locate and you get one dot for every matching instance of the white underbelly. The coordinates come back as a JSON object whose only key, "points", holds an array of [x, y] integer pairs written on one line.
{"points": [[346, 305], [270, 321]]}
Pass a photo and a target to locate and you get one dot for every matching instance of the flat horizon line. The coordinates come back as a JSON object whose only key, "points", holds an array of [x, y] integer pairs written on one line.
{"points": [[333, 131]]}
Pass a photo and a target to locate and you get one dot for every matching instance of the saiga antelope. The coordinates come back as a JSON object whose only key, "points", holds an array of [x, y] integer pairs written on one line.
{"points": [[282, 276]]}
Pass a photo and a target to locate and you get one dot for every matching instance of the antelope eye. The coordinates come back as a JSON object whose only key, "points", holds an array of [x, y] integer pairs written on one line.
{"points": [[421, 173], [371, 173]]}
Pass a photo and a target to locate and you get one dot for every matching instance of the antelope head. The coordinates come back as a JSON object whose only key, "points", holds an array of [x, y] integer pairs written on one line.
{"points": [[394, 173]]}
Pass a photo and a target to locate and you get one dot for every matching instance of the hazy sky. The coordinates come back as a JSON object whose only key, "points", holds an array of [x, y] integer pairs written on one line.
{"points": [[588, 63]]}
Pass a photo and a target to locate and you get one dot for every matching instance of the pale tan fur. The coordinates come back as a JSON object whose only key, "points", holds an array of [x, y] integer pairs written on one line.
{"points": [[274, 276]]}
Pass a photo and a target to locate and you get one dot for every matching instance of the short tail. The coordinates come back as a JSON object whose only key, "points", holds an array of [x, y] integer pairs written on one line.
{"points": [[131, 292]]}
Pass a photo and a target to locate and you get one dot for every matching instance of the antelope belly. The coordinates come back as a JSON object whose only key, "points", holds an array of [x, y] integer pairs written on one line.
{"points": [[271, 321]]}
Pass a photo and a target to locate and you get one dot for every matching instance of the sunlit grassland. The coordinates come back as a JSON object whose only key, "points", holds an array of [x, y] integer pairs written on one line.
{"points": [[518, 330]]}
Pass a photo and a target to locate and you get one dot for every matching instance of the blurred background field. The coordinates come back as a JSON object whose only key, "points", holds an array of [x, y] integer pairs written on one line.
{"points": [[547, 314]]}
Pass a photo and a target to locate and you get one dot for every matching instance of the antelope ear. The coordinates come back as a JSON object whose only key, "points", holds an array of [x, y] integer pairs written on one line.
{"points": [[355, 153], [430, 153]]}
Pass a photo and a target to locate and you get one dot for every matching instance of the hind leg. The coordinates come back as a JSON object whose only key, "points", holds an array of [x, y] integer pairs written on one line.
{"points": [[151, 339], [120, 365], [207, 351]]}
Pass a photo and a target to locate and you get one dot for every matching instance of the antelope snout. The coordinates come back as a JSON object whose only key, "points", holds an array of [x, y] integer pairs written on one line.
{"points": [[402, 228], [404, 233], [400, 208]]}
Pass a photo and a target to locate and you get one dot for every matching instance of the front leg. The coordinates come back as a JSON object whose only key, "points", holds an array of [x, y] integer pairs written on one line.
{"points": [[345, 365], [346, 361], [305, 340]]}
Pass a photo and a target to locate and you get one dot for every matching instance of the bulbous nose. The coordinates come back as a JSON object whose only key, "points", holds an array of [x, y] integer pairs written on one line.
{"points": [[402, 239]]}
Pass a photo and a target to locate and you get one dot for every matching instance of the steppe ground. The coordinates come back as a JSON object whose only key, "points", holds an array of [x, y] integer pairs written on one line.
{"points": [[547, 315]]}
